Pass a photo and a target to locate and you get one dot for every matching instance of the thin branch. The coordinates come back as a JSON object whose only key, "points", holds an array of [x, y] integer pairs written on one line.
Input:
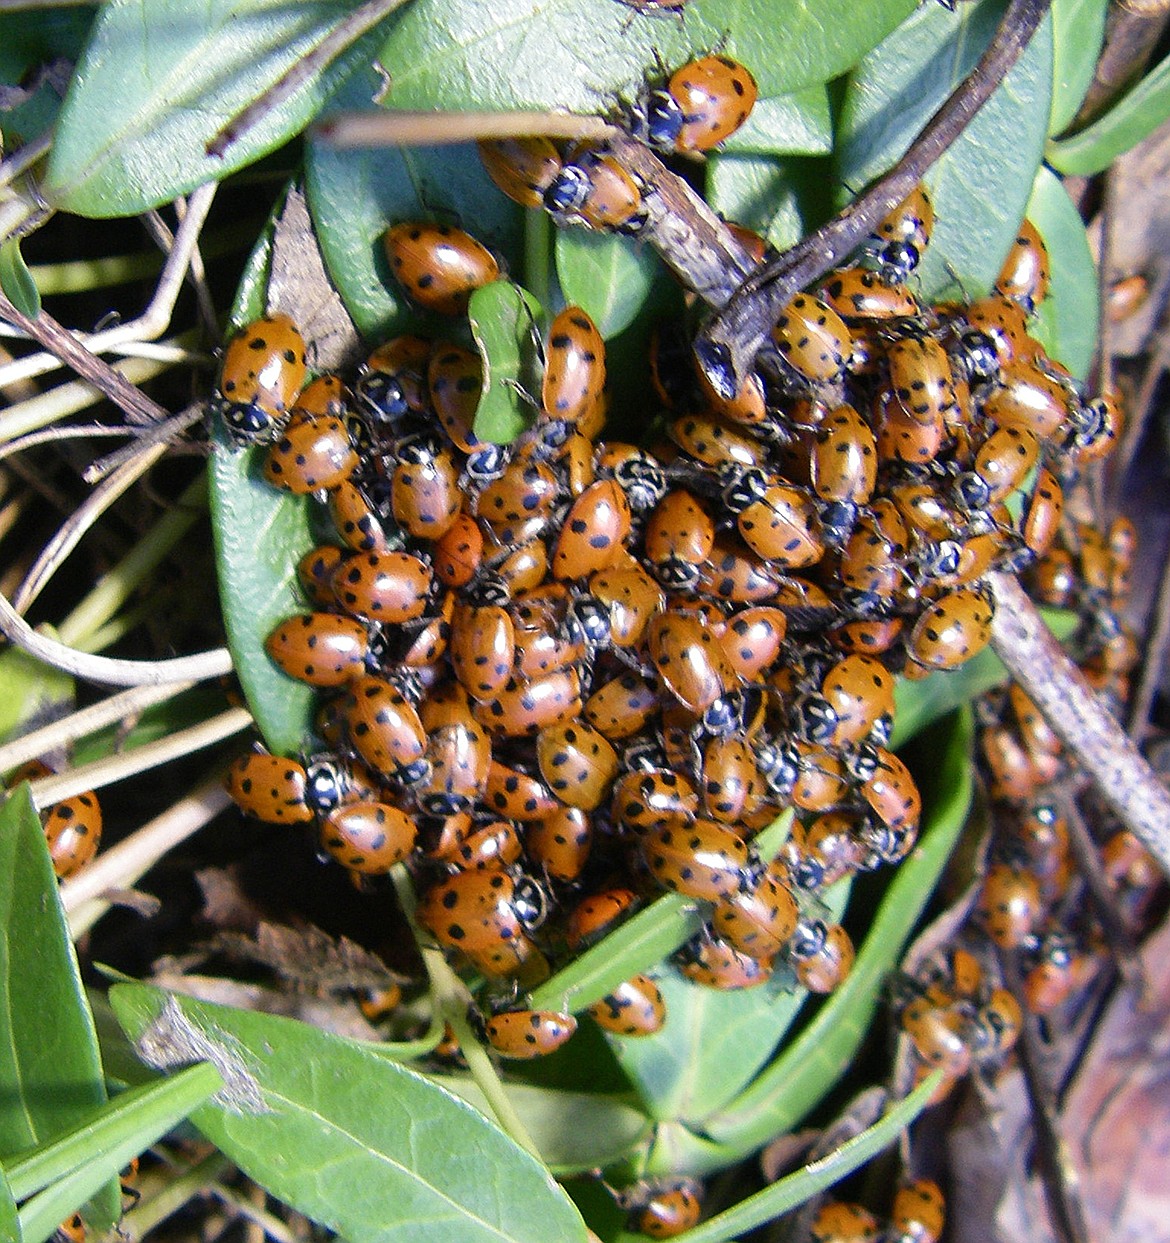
{"points": [[166, 432], [107, 670], [346, 130], [104, 772], [57, 340], [1034, 658], [345, 33], [68, 729], [728, 343]]}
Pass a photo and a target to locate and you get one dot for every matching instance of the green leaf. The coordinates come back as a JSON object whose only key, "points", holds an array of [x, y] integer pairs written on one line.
{"points": [[981, 184], [461, 54], [359, 1143], [502, 317], [917, 704], [158, 81], [28, 688], [81, 1160], [782, 200], [50, 1071], [16, 280], [29, 41], [574, 1131], [607, 275], [789, 1192], [355, 195], [1069, 317], [1078, 31], [812, 1063], [796, 124], [1134, 117], [9, 1219]]}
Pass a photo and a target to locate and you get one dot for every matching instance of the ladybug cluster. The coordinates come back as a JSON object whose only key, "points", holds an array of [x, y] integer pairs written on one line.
{"points": [[917, 1215], [564, 674], [73, 826]]}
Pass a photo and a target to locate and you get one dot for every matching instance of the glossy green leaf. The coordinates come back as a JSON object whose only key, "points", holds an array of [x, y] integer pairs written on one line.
{"points": [[16, 280], [50, 1071], [80, 1161], [9, 1219], [1078, 30], [503, 318], [812, 1063], [714, 1042], [359, 1143], [461, 54], [917, 704], [782, 1196], [355, 195], [1134, 117], [158, 81], [574, 1131], [796, 124], [782, 200], [1069, 318], [981, 184], [28, 687], [607, 275], [30, 41]]}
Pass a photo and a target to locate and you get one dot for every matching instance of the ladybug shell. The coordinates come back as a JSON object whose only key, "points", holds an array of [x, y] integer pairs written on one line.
{"points": [[368, 837], [269, 787], [73, 832], [439, 265], [529, 1033], [634, 1008]]}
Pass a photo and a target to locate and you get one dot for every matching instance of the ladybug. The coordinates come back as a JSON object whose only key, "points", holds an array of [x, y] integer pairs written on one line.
{"points": [[921, 380], [825, 851], [730, 786], [858, 294], [381, 586], [776, 520], [713, 963], [525, 489], [594, 189], [823, 955], [1013, 776], [679, 536], [523, 1034], [838, 1221], [314, 571], [1028, 398], [689, 660], [322, 649], [1003, 461], [263, 370], [517, 795], [71, 1230], [73, 832], [919, 1212], [597, 914], [634, 1008], [523, 168], [703, 859], [526, 705], [1040, 523], [621, 707], [897, 244], [459, 754], [424, 488], [758, 920], [594, 530], [384, 728], [578, 763], [391, 383], [474, 910], [952, 629], [561, 842], [666, 1208], [813, 339], [641, 477], [270, 788], [1024, 275], [704, 102], [574, 368], [454, 382], [860, 690], [359, 523], [1009, 904], [314, 451], [1096, 426], [519, 568], [482, 648], [997, 1026], [891, 792], [368, 837], [939, 1036], [752, 639], [843, 462], [715, 441], [439, 265], [654, 798], [490, 847], [458, 552]]}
